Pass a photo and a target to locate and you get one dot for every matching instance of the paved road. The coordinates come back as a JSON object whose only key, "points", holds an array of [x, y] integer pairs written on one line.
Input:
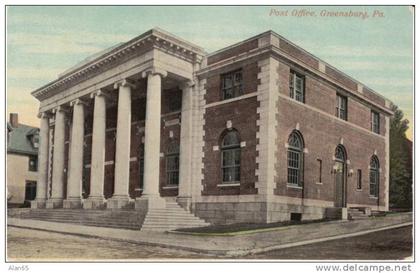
{"points": [[34, 245], [393, 244]]}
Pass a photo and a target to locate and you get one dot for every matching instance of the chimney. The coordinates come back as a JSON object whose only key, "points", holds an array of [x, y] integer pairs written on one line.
{"points": [[14, 120]]}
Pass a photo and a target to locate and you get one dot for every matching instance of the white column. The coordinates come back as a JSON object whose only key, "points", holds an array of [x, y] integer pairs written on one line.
{"points": [[120, 197], [151, 196], [57, 193], [74, 182], [184, 190], [97, 169], [42, 184]]}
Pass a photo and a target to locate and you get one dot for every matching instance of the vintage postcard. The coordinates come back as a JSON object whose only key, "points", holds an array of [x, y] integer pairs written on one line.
{"points": [[188, 133]]}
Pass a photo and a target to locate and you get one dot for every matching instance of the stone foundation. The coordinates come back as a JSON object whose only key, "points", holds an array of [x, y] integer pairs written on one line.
{"points": [[254, 212], [54, 203]]}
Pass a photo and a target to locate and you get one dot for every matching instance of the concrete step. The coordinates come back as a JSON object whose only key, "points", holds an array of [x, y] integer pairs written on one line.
{"points": [[83, 220], [94, 223], [125, 219]]}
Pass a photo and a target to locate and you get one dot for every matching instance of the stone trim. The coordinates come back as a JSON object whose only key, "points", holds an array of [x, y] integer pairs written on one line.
{"points": [[284, 97], [170, 187], [387, 161], [267, 126], [258, 198], [228, 185], [246, 96], [198, 144], [373, 207]]}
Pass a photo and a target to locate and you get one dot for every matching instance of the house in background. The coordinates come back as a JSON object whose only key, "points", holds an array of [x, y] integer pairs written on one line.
{"points": [[22, 162]]}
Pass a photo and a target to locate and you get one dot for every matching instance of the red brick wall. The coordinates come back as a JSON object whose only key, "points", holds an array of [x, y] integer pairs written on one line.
{"points": [[322, 96], [247, 46], [243, 115], [298, 53], [344, 80], [249, 75], [372, 96], [322, 134]]}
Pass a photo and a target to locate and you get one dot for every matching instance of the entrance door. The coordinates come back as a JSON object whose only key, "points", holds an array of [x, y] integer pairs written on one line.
{"points": [[339, 184]]}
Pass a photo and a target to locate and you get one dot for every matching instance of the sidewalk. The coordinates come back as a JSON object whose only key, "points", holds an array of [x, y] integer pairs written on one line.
{"points": [[236, 245]]}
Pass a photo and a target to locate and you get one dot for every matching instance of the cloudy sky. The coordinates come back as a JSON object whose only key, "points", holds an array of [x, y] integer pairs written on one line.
{"points": [[44, 41]]}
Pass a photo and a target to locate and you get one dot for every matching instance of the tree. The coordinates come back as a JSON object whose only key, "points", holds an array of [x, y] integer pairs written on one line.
{"points": [[400, 169]]}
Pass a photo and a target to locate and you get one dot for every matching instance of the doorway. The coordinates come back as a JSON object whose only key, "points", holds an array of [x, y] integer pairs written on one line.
{"points": [[340, 171]]}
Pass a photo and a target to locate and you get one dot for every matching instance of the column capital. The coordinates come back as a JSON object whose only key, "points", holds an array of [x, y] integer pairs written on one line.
{"points": [[44, 115], [124, 83], [154, 71], [77, 102], [99, 93], [186, 84], [60, 108]]}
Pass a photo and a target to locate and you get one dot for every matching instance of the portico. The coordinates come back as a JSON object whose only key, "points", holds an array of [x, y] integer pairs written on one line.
{"points": [[109, 99]]}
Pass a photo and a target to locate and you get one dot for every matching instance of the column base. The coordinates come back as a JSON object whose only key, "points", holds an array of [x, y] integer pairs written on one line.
{"points": [[38, 204], [94, 203], [119, 202], [54, 203], [72, 203], [184, 202], [147, 202]]}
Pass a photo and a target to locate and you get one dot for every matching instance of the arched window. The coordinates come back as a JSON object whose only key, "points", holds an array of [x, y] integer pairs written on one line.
{"points": [[374, 176], [231, 157], [340, 153], [172, 164], [295, 159]]}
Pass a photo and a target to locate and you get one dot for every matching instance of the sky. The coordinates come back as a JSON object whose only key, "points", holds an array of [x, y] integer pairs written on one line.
{"points": [[44, 41]]}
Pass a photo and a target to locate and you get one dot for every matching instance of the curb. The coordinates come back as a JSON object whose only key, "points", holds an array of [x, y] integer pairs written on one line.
{"points": [[224, 252]]}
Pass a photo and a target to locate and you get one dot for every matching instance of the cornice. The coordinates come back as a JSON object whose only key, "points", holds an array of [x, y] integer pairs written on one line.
{"points": [[153, 39]]}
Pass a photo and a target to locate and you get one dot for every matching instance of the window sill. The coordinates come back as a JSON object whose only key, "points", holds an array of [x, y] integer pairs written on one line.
{"points": [[138, 189], [228, 185], [373, 197], [359, 190], [319, 183], [170, 187], [294, 186]]}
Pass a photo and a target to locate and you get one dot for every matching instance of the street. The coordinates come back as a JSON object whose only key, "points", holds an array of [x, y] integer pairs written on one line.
{"points": [[34, 245]]}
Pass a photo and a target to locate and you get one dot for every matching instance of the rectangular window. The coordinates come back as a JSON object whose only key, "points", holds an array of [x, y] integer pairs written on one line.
{"points": [[294, 169], [320, 170], [359, 179], [297, 86], [30, 190], [33, 163], [231, 84], [341, 107], [231, 161], [374, 122], [172, 169]]}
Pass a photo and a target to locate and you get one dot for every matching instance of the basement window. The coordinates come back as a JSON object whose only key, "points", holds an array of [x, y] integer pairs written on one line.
{"points": [[295, 217]]}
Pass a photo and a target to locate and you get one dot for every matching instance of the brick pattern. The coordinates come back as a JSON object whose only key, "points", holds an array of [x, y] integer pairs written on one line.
{"points": [[243, 115], [321, 135], [249, 85], [298, 53]]}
